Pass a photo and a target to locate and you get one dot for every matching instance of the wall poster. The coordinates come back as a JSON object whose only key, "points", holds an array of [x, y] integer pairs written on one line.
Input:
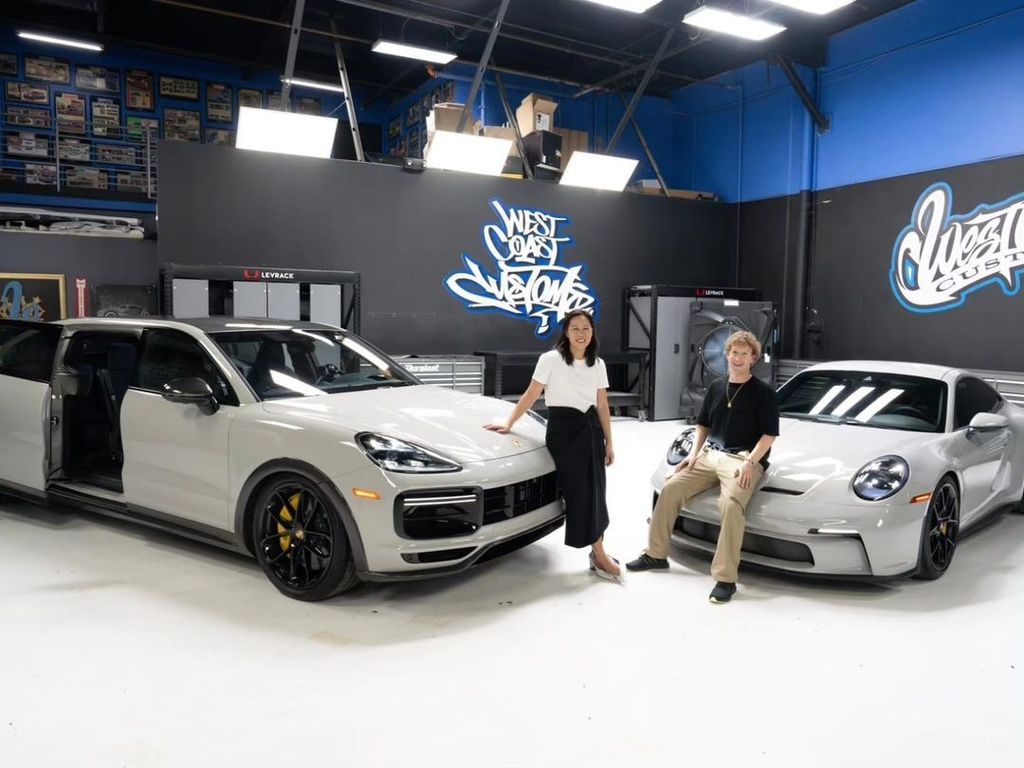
{"points": [[26, 296], [106, 117], [219, 97], [248, 97], [124, 300], [139, 90], [179, 88], [181, 124], [30, 93], [307, 105], [8, 64], [70, 112], [28, 117], [48, 70], [97, 79]]}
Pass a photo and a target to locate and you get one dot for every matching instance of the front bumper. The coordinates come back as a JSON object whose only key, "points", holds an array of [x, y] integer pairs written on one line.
{"points": [[393, 553], [800, 534]]}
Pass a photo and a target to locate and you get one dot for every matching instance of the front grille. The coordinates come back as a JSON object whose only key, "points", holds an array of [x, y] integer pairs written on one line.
{"points": [[518, 542], [754, 543], [437, 514], [511, 501], [438, 556]]}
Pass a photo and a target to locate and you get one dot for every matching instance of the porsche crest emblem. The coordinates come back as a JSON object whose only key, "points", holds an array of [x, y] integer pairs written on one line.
{"points": [[517, 443]]}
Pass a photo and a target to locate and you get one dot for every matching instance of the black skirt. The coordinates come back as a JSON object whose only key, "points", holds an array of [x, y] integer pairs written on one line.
{"points": [[576, 442]]}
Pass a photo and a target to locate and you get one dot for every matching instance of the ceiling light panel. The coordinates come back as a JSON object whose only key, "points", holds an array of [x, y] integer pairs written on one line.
{"points": [[819, 7], [412, 52], [727, 23]]}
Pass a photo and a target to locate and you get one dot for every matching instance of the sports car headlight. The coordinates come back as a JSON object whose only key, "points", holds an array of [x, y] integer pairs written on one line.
{"points": [[881, 478], [680, 447], [396, 455]]}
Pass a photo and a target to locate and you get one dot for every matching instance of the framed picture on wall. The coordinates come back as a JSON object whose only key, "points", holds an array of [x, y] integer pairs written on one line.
{"points": [[249, 97], [30, 93], [27, 296], [448, 92], [48, 70], [395, 127], [179, 88], [124, 300], [9, 64], [307, 105], [28, 117], [41, 174], [219, 103], [75, 150], [97, 79], [141, 128], [273, 99], [83, 177], [106, 117], [138, 85], [181, 124], [116, 154], [70, 112], [26, 144], [220, 136], [130, 181]]}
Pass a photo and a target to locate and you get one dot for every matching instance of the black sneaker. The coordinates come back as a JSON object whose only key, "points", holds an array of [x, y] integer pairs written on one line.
{"points": [[647, 563], [722, 593]]}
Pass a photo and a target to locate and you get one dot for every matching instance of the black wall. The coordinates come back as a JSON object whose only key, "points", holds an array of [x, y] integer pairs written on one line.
{"points": [[100, 260], [405, 232], [853, 231]]}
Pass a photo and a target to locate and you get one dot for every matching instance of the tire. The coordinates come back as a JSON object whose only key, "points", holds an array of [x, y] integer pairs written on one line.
{"points": [[300, 541], [941, 531]]}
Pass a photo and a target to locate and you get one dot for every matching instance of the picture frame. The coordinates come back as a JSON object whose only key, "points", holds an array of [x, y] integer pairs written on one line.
{"points": [[9, 64], [308, 105], [27, 117], [448, 92], [125, 301], [181, 124], [250, 97], [95, 78], [86, 177], [183, 88], [41, 174], [28, 93], [138, 86], [395, 127], [70, 112], [27, 144], [117, 154], [106, 117], [75, 150], [48, 70], [273, 100], [220, 103], [32, 296], [220, 136], [132, 182], [137, 129]]}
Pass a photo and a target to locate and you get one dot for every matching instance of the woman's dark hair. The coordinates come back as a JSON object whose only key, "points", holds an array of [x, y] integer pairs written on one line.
{"points": [[563, 341]]}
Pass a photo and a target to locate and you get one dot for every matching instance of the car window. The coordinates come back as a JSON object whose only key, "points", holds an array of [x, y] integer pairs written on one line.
{"points": [[27, 349], [168, 355], [973, 396], [297, 362], [866, 398]]}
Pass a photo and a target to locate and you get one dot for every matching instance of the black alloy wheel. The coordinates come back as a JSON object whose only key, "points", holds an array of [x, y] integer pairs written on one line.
{"points": [[300, 541], [941, 530]]}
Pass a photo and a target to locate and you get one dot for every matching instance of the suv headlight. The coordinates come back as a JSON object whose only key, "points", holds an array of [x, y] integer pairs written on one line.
{"points": [[680, 447], [396, 455], [881, 478]]}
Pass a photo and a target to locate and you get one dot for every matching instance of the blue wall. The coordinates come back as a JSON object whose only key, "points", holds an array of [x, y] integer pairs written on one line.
{"points": [[932, 85]]}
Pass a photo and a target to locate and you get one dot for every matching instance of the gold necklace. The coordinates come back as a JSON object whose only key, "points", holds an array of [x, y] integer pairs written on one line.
{"points": [[729, 400]]}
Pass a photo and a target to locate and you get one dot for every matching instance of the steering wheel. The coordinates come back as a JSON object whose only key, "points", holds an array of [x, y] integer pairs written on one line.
{"points": [[326, 373]]}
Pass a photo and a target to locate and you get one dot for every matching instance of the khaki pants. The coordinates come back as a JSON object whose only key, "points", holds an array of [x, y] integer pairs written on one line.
{"points": [[712, 467]]}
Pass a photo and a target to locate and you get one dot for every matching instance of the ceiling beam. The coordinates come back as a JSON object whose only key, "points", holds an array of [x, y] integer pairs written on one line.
{"points": [[482, 65]]}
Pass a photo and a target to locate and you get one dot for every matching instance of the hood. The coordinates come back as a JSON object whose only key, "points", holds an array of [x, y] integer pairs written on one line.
{"points": [[808, 452], [445, 420]]}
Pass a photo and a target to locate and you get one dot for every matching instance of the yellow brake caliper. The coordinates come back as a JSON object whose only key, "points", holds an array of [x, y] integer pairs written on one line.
{"points": [[285, 514]]}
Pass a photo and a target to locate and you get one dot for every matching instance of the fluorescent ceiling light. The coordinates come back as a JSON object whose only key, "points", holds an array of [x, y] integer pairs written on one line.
{"points": [[814, 6], [586, 169], [412, 52], [312, 84], [633, 6], [61, 41], [727, 23], [466, 152], [269, 130]]}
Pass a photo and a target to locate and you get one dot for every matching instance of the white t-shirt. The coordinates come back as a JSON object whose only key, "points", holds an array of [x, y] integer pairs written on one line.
{"points": [[570, 386]]}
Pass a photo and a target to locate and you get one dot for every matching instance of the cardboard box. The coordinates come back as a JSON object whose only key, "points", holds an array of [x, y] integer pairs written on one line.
{"points": [[543, 151], [651, 187], [445, 117], [536, 113], [571, 142], [503, 132]]}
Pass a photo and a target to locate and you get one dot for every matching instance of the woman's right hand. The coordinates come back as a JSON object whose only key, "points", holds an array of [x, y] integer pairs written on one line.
{"points": [[500, 427]]}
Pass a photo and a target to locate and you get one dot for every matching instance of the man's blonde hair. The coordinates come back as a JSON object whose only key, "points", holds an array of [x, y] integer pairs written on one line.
{"points": [[745, 338]]}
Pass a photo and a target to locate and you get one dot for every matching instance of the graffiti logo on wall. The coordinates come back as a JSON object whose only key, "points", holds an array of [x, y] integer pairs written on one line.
{"points": [[530, 284], [939, 259]]}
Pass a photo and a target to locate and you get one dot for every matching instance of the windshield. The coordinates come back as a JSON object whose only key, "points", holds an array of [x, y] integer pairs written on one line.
{"points": [[298, 362], [865, 398]]}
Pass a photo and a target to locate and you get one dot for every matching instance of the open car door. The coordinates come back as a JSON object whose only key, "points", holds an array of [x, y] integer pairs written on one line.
{"points": [[27, 353]]}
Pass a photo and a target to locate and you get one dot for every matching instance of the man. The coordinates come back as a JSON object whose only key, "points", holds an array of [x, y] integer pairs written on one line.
{"points": [[737, 424]]}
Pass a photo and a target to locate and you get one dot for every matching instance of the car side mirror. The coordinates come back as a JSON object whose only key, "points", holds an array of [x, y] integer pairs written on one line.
{"points": [[987, 422], [191, 390]]}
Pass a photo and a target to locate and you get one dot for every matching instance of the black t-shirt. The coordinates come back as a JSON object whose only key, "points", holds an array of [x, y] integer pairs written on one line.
{"points": [[754, 412]]}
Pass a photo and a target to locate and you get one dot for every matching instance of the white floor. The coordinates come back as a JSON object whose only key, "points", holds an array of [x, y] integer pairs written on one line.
{"points": [[122, 647]]}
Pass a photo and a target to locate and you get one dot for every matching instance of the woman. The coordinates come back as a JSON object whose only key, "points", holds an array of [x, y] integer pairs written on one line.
{"points": [[574, 382]]}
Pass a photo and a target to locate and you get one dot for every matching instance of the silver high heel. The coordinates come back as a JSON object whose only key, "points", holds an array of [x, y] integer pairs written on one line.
{"points": [[601, 572]]}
